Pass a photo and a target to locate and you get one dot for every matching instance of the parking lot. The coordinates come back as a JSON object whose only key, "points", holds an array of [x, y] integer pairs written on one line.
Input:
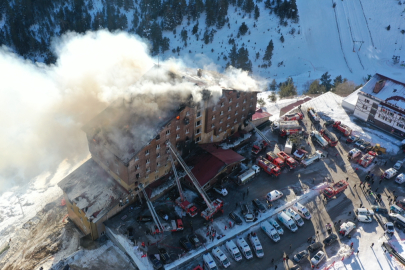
{"points": [[291, 183]]}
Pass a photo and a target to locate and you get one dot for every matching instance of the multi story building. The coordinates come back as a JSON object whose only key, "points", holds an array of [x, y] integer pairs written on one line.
{"points": [[381, 102], [128, 141]]}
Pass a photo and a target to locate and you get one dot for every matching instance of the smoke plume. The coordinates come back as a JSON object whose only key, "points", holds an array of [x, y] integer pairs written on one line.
{"points": [[45, 106]]}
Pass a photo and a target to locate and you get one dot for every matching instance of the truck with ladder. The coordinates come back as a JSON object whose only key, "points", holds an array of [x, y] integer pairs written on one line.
{"points": [[214, 206], [311, 159], [342, 128], [367, 159], [316, 136], [158, 227], [268, 167], [259, 146], [336, 189], [313, 115], [182, 202], [293, 117], [286, 128], [271, 156], [329, 137], [291, 163]]}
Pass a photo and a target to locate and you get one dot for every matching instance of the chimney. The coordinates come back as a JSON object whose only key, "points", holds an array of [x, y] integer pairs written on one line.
{"points": [[378, 86]]}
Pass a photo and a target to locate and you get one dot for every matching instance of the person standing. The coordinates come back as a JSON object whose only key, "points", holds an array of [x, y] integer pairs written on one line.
{"points": [[372, 245]]}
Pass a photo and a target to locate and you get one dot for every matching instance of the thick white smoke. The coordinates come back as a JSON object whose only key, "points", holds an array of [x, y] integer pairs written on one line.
{"points": [[44, 107]]}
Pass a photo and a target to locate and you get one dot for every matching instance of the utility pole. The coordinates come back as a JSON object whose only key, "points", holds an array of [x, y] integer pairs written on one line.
{"points": [[21, 206]]}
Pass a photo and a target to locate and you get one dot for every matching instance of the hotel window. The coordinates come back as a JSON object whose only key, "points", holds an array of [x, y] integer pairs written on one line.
{"points": [[212, 125], [178, 127], [157, 164], [220, 121], [237, 105], [136, 158], [177, 136], [158, 146], [243, 108], [229, 117], [158, 155], [213, 117], [148, 161], [236, 120], [220, 129], [146, 152], [198, 114], [229, 109], [148, 170], [167, 132], [187, 113], [198, 131], [137, 176], [250, 105], [214, 109], [198, 123], [156, 177], [187, 131], [230, 100], [222, 112], [236, 113], [367, 101], [244, 101], [198, 139], [137, 167], [227, 125], [365, 107], [222, 104]]}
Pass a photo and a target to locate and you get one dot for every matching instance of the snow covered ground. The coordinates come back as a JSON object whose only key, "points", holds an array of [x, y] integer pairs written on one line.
{"points": [[349, 40]]}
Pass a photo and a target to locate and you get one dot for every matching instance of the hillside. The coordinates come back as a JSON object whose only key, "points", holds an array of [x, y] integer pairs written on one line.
{"points": [[350, 39]]}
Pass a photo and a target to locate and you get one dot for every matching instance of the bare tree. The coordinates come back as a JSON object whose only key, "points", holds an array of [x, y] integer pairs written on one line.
{"points": [[345, 88]]}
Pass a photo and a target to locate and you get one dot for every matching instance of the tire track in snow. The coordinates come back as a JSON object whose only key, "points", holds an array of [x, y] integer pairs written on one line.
{"points": [[340, 40]]}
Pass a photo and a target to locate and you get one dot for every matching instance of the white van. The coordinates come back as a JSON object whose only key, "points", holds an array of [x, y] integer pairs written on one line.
{"points": [[209, 263], [295, 217], [256, 245], [364, 218], [364, 211], [244, 248], [301, 210], [346, 228], [391, 172], [274, 195], [233, 250], [287, 221], [270, 231], [220, 257], [400, 178], [273, 222]]}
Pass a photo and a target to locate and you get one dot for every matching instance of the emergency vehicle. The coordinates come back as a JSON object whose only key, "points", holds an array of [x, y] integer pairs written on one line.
{"points": [[244, 248], [256, 245], [268, 167], [342, 128], [291, 163], [233, 250], [220, 257]]}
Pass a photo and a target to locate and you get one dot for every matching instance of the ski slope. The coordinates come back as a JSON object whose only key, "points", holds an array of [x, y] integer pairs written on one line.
{"points": [[349, 40]]}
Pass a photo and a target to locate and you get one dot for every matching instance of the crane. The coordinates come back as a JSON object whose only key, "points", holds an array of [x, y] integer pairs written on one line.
{"points": [[159, 226], [213, 207], [182, 202]]}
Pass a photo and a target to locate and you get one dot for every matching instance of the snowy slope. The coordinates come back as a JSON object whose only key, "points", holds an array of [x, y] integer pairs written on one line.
{"points": [[353, 43]]}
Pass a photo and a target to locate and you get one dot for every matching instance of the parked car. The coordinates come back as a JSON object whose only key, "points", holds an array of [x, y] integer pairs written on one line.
{"points": [[185, 244], [329, 122], [157, 264], [314, 247], [295, 267], [164, 256], [352, 139], [300, 256], [247, 213], [364, 218], [194, 240], [221, 190], [330, 239], [318, 257], [259, 205], [389, 227], [235, 218], [144, 218], [358, 143], [365, 146]]}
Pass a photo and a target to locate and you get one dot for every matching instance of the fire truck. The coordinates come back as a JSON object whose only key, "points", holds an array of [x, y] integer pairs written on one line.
{"points": [[335, 190], [291, 163], [313, 115], [287, 128], [293, 117], [342, 128], [311, 159], [318, 138], [268, 167], [275, 159], [214, 206], [259, 146], [367, 159], [329, 137]]}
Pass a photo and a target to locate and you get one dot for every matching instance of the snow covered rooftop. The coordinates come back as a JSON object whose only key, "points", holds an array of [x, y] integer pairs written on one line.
{"points": [[92, 189], [391, 91], [259, 114]]}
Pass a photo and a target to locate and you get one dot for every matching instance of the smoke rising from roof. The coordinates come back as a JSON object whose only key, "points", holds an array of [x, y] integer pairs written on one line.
{"points": [[45, 106]]}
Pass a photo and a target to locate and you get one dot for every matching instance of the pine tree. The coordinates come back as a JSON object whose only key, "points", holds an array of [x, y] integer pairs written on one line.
{"points": [[326, 81], [272, 97], [249, 6], [338, 80], [243, 29], [210, 12], [257, 12], [243, 60], [316, 88], [195, 28], [282, 39], [165, 44], [184, 36], [222, 13], [233, 55], [269, 53], [273, 85], [155, 37], [287, 89]]}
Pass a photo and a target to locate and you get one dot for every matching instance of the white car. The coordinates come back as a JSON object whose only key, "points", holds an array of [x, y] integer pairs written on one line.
{"points": [[391, 172], [274, 195], [364, 218], [400, 178], [255, 168], [221, 190], [389, 227], [318, 258]]}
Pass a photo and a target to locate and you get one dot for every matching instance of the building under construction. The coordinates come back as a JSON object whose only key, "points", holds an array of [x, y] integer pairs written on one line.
{"points": [[128, 143]]}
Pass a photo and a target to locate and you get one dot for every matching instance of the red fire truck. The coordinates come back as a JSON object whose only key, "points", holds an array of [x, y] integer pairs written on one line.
{"points": [[275, 159], [259, 146], [367, 159], [329, 137], [291, 163], [286, 128], [342, 128], [335, 190], [268, 167]]}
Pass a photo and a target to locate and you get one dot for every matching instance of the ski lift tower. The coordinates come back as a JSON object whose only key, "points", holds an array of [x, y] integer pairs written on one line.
{"points": [[214, 206]]}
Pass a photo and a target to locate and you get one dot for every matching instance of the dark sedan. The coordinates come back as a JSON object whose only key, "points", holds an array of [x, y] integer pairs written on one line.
{"points": [[235, 218], [164, 256], [156, 263], [185, 244], [144, 218], [259, 206], [300, 256], [330, 239]]}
